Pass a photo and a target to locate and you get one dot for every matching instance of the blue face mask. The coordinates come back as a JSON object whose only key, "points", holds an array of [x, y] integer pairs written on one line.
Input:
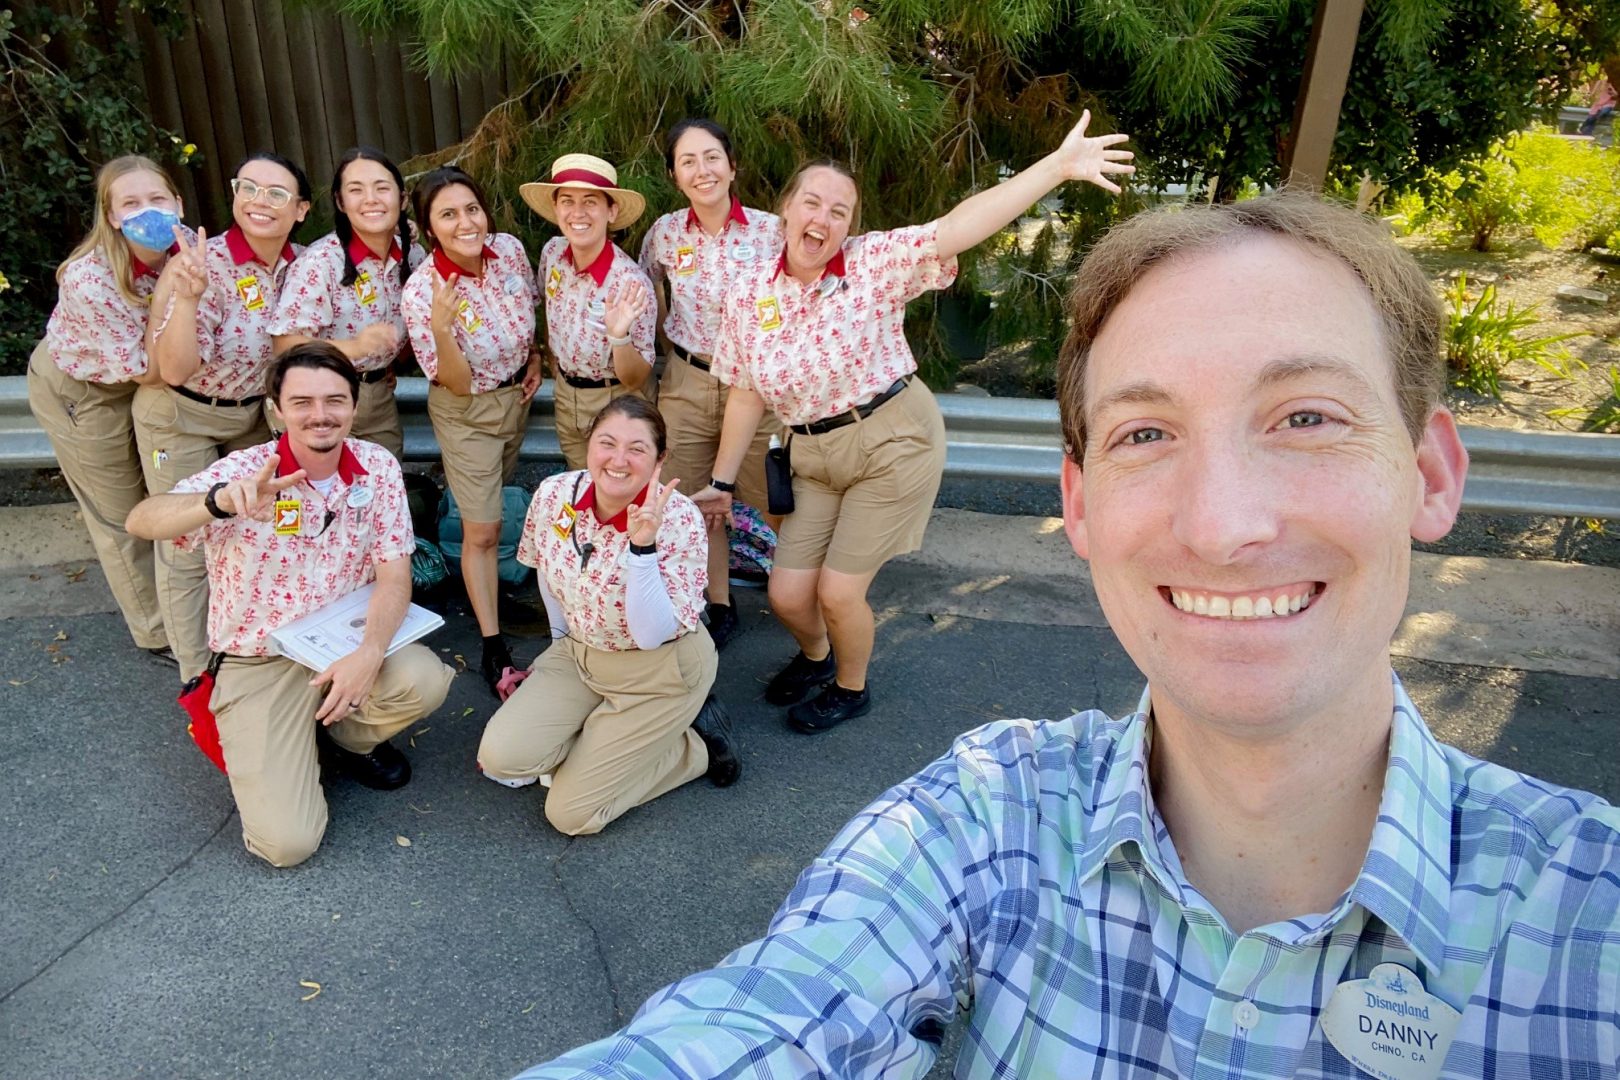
{"points": [[151, 228]]}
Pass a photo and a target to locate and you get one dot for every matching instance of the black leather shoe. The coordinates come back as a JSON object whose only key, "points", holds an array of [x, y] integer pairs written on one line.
{"points": [[828, 709], [713, 725], [722, 623], [801, 676], [383, 768]]}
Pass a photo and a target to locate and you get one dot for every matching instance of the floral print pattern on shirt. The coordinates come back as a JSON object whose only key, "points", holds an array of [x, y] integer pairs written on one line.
{"points": [[593, 599], [814, 351], [314, 301], [260, 578], [576, 303], [700, 267], [495, 325]]}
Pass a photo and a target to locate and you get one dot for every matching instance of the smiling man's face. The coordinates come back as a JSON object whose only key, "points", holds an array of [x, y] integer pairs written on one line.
{"points": [[1248, 492]]}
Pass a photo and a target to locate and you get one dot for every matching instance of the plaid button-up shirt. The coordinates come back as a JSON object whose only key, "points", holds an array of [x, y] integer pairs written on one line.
{"points": [[1027, 879]]}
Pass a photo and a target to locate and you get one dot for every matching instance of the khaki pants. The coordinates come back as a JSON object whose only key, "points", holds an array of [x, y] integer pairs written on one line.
{"points": [[613, 729], [376, 418], [863, 493], [94, 441], [479, 436], [574, 409], [266, 713], [179, 438], [694, 406]]}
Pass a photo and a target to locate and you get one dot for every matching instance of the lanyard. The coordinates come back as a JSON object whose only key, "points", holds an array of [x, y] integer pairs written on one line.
{"points": [[585, 550]]}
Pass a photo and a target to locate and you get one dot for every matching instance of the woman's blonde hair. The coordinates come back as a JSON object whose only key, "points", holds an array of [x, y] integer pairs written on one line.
{"points": [[102, 234]]}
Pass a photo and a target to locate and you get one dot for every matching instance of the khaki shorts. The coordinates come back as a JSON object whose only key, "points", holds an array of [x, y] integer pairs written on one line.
{"points": [[694, 406], [479, 439], [574, 410], [862, 493]]}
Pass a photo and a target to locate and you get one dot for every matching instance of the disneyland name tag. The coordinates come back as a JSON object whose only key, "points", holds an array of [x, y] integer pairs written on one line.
{"points": [[744, 252], [1388, 1026], [359, 496]]}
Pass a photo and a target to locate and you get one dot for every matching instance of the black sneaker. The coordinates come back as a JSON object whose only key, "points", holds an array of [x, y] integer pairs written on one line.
{"points": [[723, 623], [383, 767], [801, 676], [713, 725], [828, 709]]}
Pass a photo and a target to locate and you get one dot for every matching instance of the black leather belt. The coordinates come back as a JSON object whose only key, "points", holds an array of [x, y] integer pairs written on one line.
{"points": [[691, 358], [587, 384], [229, 403], [861, 412], [512, 379], [375, 375]]}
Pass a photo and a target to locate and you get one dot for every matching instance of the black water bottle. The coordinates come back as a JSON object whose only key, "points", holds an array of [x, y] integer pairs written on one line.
{"points": [[778, 479]]}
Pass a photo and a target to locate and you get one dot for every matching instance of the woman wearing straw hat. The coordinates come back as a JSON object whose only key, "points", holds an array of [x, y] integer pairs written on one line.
{"points": [[469, 310], [599, 305]]}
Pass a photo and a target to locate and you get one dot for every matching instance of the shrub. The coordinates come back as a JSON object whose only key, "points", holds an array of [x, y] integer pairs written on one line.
{"points": [[61, 124], [1483, 338], [1535, 182]]}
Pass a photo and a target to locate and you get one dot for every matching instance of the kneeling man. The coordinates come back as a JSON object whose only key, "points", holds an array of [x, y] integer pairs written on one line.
{"points": [[1270, 869], [288, 527]]}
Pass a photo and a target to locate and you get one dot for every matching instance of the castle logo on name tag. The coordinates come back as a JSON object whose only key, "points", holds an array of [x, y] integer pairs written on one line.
{"points": [[1388, 1026]]}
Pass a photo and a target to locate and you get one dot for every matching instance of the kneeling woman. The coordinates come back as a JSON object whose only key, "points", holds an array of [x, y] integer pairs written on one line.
{"points": [[618, 710]]}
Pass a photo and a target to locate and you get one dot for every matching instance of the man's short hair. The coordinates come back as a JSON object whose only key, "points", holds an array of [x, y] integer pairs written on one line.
{"points": [[319, 355], [1407, 305]]}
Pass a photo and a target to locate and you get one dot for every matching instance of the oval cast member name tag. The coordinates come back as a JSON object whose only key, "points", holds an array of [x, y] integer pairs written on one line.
{"points": [[359, 495], [744, 252], [1388, 1026]]}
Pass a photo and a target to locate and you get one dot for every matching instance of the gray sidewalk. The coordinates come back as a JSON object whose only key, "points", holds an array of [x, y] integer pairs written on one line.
{"points": [[144, 941]]}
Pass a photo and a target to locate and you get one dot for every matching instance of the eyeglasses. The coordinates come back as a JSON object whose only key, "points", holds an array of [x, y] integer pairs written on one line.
{"points": [[247, 191]]}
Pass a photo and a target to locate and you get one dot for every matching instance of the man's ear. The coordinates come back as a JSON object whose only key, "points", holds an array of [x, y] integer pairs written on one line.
{"points": [[1074, 507], [1442, 461]]}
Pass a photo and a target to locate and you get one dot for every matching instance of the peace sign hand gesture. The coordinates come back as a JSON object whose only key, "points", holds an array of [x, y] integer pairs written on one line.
{"points": [[1091, 160], [254, 496], [187, 269], [446, 301], [624, 306], [645, 519]]}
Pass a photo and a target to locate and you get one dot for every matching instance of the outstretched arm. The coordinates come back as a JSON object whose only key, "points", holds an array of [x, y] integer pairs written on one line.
{"points": [[1080, 157]]}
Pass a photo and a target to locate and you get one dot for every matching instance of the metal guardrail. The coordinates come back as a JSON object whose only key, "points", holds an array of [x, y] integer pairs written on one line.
{"points": [[1511, 472]]}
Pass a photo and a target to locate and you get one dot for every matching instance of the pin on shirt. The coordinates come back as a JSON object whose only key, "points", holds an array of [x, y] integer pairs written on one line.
{"points": [[365, 290], [289, 517], [251, 292], [744, 252], [359, 496]]}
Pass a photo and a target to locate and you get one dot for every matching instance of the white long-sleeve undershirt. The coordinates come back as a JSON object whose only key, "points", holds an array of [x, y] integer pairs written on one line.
{"points": [[649, 610]]}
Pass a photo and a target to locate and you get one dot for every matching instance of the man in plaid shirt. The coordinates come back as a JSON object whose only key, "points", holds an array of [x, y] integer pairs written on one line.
{"points": [[1271, 868]]}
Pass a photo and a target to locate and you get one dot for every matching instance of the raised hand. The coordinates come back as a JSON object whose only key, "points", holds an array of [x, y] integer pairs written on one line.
{"points": [[446, 301], [624, 306], [255, 496], [1091, 160], [187, 269], [645, 519]]}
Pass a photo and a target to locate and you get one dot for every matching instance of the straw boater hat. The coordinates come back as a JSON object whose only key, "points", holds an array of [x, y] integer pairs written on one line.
{"points": [[586, 173]]}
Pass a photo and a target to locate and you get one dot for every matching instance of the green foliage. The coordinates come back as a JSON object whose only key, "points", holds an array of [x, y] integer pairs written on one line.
{"points": [[1602, 416], [62, 119], [1534, 182], [1482, 338]]}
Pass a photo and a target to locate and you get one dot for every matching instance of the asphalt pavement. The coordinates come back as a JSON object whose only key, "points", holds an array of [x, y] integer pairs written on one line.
{"points": [[444, 930]]}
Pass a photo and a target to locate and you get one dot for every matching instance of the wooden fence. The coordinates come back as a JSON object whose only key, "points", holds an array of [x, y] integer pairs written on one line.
{"points": [[262, 74]]}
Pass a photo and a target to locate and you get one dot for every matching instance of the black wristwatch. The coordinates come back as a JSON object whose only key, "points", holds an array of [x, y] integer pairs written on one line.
{"points": [[723, 485], [212, 506], [643, 549]]}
